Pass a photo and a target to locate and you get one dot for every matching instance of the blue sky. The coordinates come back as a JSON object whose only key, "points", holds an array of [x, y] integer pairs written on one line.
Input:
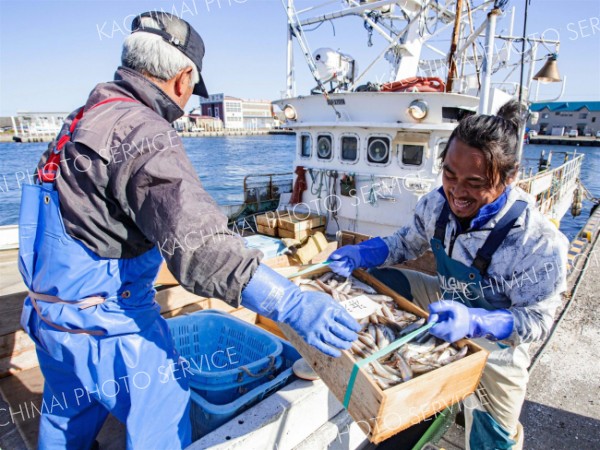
{"points": [[52, 53]]}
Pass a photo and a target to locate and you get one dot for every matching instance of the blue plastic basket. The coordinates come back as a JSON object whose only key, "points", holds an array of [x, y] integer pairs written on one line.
{"points": [[270, 246], [207, 416], [223, 352]]}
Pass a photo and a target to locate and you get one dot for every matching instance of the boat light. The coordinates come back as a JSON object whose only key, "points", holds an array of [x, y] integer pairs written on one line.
{"points": [[289, 112], [549, 72], [418, 109]]}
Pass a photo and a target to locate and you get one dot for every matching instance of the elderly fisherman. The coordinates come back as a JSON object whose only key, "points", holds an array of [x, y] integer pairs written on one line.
{"points": [[116, 194]]}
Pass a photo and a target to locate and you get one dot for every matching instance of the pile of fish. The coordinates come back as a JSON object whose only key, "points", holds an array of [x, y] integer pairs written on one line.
{"points": [[423, 354]]}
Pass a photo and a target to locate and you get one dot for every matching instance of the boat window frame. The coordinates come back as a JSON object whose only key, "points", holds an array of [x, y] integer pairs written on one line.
{"points": [[400, 153], [300, 146], [316, 147], [358, 148], [440, 144], [390, 139]]}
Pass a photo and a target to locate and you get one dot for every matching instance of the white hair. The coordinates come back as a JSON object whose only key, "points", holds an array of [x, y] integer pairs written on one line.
{"points": [[151, 55]]}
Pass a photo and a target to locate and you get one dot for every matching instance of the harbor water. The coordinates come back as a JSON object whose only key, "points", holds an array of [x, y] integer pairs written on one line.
{"points": [[223, 162]]}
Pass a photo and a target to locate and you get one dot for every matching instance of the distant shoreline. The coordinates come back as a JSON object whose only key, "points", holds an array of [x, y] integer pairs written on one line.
{"points": [[49, 137]]}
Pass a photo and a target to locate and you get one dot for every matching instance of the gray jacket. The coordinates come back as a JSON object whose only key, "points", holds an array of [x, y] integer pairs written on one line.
{"points": [[527, 273], [127, 185]]}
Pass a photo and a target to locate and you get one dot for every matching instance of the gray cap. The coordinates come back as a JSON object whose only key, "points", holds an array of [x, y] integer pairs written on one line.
{"points": [[180, 35]]}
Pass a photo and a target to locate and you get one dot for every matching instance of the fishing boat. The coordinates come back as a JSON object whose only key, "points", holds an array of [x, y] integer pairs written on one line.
{"points": [[368, 149]]}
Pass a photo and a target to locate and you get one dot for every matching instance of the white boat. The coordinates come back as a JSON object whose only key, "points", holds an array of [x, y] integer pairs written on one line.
{"points": [[372, 151]]}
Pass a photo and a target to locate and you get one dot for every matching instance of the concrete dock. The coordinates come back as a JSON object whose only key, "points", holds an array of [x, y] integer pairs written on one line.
{"points": [[583, 141]]}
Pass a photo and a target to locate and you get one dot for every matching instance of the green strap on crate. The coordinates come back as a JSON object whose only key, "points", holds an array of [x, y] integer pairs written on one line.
{"points": [[381, 353], [309, 269]]}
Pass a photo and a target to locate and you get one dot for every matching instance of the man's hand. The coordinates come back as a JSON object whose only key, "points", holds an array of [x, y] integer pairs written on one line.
{"points": [[367, 254], [315, 316], [456, 321]]}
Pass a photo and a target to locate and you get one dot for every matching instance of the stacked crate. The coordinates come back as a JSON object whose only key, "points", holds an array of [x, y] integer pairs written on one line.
{"points": [[290, 225], [300, 226]]}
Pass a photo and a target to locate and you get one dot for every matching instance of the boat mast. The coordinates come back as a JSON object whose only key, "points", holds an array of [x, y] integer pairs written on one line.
{"points": [[487, 66], [455, 38], [411, 45], [290, 53]]}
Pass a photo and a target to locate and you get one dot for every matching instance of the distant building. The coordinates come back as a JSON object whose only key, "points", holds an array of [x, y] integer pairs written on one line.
{"points": [[42, 123], [581, 116], [257, 114], [237, 113], [195, 121]]}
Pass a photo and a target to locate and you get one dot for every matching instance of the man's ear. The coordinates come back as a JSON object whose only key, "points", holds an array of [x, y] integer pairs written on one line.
{"points": [[182, 80]]}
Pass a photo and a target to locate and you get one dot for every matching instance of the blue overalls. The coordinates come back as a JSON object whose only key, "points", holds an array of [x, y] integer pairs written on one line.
{"points": [[463, 283], [101, 342]]}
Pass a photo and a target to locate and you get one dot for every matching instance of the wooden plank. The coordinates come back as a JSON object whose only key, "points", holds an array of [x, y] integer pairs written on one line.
{"points": [[165, 277], [352, 238], [270, 325], [278, 261], [269, 219], [365, 403], [187, 309], [12, 364], [324, 255], [176, 297], [267, 230], [296, 222], [245, 314], [432, 392], [12, 305], [300, 234], [16, 342]]}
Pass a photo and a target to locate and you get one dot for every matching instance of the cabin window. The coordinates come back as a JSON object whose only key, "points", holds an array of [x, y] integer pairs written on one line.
{"points": [[412, 155], [349, 148], [305, 145], [378, 150], [324, 147]]}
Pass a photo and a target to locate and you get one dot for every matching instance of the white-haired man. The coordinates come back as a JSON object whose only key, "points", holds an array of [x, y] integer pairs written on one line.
{"points": [[129, 197]]}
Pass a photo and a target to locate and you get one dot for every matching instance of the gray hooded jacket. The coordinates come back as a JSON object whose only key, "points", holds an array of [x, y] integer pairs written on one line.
{"points": [[127, 185]]}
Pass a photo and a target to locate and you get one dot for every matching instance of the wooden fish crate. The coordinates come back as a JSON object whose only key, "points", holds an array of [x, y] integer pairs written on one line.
{"points": [[299, 235], [295, 223], [383, 413], [267, 224], [269, 231], [268, 219]]}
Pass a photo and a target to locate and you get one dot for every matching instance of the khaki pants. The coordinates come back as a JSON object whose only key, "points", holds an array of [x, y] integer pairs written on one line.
{"points": [[501, 391]]}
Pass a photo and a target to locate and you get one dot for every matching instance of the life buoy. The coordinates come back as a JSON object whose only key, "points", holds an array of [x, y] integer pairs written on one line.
{"points": [[415, 84]]}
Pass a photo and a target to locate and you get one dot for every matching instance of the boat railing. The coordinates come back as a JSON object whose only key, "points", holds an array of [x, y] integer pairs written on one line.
{"points": [[262, 193], [266, 187], [549, 187]]}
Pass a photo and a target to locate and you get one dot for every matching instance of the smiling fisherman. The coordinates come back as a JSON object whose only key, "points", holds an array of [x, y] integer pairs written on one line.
{"points": [[113, 188], [501, 268]]}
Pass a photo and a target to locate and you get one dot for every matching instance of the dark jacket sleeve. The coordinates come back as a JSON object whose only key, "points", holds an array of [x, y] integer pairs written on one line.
{"points": [[157, 186]]}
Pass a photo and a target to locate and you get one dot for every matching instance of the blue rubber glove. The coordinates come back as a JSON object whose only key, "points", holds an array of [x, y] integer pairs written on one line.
{"points": [[315, 316], [456, 321], [367, 254]]}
